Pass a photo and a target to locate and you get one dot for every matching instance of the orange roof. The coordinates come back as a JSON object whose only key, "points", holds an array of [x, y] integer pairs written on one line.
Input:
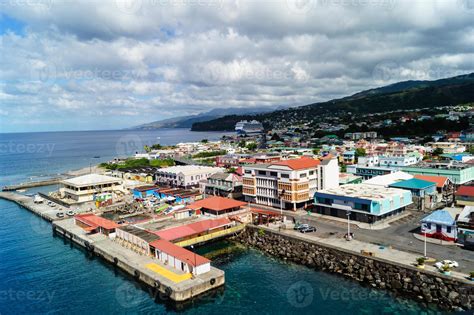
{"points": [[465, 191], [216, 203], [262, 211], [439, 180], [191, 229], [179, 253], [94, 221], [299, 164]]}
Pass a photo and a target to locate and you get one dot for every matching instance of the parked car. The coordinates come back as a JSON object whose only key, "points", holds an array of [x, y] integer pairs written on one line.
{"points": [[308, 229], [60, 214], [449, 263], [299, 226]]}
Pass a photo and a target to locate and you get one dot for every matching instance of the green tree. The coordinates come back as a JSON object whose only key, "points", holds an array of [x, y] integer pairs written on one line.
{"points": [[343, 168], [316, 151], [437, 152], [360, 152], [251, 146], [242, 144], [204, 141]]}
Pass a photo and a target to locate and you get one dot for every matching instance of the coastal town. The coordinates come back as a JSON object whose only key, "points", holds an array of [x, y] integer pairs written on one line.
{"points": [[409, 201]]}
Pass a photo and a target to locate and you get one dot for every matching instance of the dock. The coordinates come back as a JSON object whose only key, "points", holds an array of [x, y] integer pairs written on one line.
{"points": [[46, 182], [171, 284]]}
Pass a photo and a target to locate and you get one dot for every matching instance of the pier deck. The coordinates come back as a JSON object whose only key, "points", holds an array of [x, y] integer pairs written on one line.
{"points": [[171, 283], [177, 285]]}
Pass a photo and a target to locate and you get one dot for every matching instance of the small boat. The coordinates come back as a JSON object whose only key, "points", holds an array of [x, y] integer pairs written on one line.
{"points": [[70, 213], [97, 157], [60, 214]]}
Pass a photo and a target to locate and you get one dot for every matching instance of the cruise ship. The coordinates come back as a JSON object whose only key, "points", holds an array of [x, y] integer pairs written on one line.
{"points": [[245, 127]]}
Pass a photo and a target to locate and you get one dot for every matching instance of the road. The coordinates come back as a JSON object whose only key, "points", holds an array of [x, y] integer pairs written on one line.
{"points": [[399, 235]]}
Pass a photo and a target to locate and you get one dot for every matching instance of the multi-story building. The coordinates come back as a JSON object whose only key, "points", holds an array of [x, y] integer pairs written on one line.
{"points": [[86, 187], [448, 147], [459, 173], [290, 184], [361, 135], [361, 202], [224, 185], [185, 175], [374, 165]]}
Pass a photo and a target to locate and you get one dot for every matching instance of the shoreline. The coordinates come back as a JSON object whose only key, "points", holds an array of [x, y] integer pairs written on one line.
{"points": [[400, 278]]}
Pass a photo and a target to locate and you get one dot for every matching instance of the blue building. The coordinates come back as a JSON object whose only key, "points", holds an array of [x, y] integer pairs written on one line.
{"points": [[362, 202], [144, 191]]}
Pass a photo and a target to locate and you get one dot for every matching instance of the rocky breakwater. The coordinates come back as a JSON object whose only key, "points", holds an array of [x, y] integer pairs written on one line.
{"points": [[424, 286]]}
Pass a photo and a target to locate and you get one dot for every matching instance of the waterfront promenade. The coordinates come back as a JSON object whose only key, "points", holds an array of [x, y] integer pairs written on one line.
{"points": [[357, 247]]}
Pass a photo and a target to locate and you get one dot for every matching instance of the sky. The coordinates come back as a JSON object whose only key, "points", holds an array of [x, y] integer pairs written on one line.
{"points": [[111, 64]]}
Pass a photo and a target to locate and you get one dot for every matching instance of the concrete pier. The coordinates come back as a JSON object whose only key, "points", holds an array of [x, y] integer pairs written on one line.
{"points": [[46, 182], [136, 265]]}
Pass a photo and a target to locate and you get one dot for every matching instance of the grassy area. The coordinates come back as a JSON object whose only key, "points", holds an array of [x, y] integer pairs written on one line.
{"points": [[209, 154], [130, 163]]}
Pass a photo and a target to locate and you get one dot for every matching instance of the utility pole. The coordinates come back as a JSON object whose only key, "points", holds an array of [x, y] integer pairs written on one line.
{"points": [[348, 225]]}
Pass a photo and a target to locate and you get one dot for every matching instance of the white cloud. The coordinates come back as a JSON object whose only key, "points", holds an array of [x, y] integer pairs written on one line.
{"points": [[162, 58]]}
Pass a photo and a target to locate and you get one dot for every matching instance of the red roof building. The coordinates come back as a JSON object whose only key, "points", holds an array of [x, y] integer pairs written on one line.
{"points": [[90, 222], [299, 164], [217, 205], [440, 181], [465, 196], [177, 257], [193, 230]]}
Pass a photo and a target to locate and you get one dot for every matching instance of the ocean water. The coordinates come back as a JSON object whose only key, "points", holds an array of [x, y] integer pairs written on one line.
{"points": [[43, 274]]}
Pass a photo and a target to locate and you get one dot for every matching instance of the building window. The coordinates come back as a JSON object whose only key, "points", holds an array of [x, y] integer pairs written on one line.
{"points": [[262, 173], [285, 175], [448, 229], [302, 175], [273, 174], [311, 173]]}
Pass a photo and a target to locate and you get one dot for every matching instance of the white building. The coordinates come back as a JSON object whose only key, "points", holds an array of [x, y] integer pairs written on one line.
{"points": [[448, 147], [84, 188], [290, 184], [185, 175]]}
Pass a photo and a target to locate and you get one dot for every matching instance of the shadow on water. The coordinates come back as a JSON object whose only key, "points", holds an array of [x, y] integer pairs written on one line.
{"points": [[221, 253]]}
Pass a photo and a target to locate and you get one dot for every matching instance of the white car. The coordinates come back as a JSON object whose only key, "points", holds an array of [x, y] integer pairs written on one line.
{"points": [[450, 263]]}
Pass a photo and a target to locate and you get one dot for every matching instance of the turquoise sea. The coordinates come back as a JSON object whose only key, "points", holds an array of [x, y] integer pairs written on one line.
{"points": [[43, 274]]}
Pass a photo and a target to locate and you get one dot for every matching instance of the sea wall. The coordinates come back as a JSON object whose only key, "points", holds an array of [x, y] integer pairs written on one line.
{"points": [[424, 286]]}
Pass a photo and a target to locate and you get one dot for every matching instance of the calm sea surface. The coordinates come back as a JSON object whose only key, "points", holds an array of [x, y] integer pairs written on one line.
{"points": [[42, 274]]}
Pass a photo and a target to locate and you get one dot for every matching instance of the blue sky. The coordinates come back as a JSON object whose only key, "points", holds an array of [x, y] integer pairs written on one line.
{"points": [[118, 63]]}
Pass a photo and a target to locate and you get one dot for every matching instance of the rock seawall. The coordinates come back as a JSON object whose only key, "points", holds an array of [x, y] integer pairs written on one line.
{"points": [[426, 287]]}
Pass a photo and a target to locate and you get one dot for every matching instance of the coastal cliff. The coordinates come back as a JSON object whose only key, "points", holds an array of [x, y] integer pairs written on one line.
{"points": [[426, 287]]}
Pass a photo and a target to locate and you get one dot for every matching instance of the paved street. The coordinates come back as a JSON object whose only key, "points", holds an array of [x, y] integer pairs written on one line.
{"points": [[399, 235]]}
